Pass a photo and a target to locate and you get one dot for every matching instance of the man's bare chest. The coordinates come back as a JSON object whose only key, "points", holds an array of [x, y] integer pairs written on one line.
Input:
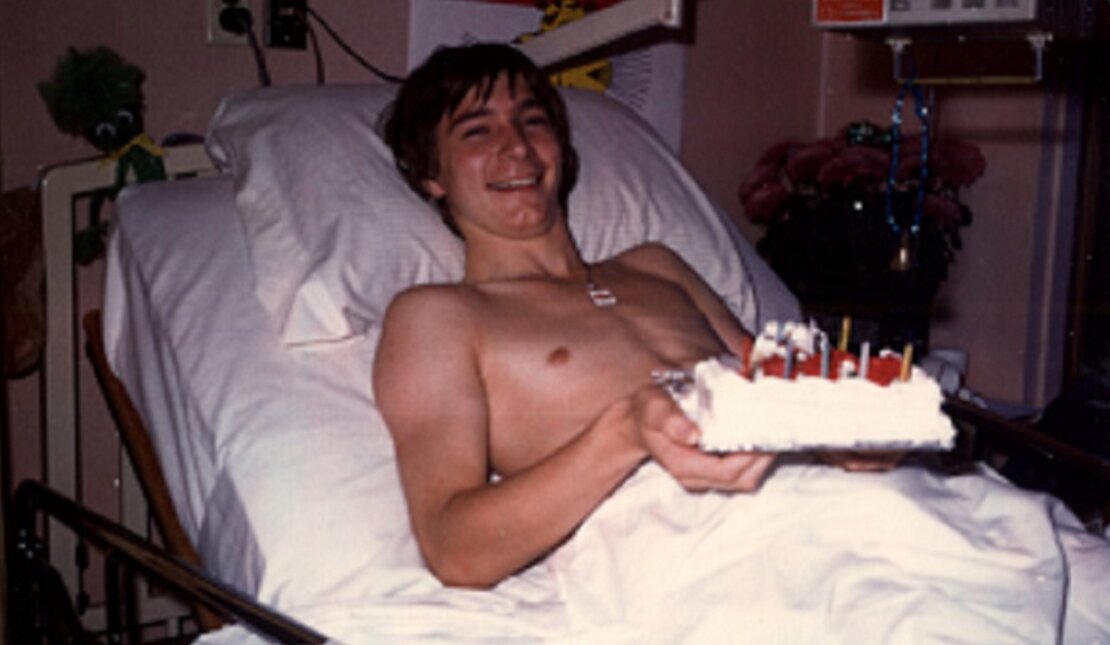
{"points": [[561, 333], [552, 361]]}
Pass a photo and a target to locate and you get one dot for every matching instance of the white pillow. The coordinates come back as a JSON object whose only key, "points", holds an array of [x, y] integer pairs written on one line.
{"points": [[335, 233]]}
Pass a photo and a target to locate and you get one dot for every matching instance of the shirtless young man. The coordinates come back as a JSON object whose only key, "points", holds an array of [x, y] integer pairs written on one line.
{"points": [[516, 370]]}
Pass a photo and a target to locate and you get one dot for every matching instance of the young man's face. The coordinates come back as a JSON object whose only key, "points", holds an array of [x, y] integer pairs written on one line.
{"points": [[499, 164]]}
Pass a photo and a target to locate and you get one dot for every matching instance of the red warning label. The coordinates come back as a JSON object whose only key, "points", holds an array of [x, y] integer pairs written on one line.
{"points": [[848, 11]]}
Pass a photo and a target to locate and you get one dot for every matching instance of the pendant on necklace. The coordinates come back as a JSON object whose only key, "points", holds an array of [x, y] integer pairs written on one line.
{"points": [[903, 258], [600, 296]]}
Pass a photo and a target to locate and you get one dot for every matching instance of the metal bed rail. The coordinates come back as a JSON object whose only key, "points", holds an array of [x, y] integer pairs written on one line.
{"points": [[39, 596], [1083, 476], [1013, 431]]}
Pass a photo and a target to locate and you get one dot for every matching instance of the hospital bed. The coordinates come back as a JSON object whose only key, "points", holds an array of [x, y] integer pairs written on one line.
{"points": [[240, 314]]}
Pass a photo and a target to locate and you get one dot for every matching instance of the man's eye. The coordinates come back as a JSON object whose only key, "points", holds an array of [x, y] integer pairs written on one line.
{"points": [[475, 132], [537, 120]]}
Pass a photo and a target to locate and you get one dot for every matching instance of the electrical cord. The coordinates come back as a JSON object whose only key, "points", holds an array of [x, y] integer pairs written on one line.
{"points": [[321, 75], [351, 52], [259, 59], [238, 20]]}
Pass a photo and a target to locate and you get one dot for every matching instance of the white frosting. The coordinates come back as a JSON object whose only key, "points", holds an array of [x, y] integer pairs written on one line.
{"points": [[776, 336], [775, 414]]}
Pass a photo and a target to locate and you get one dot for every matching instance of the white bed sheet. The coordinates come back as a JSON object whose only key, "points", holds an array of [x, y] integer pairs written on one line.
{"points": [[252, 437], [258, 441]]}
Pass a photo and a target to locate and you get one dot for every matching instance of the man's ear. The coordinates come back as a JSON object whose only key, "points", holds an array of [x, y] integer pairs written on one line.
{"points": [[433, 188]]}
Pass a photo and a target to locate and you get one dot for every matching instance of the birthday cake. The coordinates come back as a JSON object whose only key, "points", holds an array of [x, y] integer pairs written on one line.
{"points": [[796, 393]]}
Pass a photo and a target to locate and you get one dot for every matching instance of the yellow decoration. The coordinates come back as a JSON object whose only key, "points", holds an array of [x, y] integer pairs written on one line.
{"points": [[595, 76], [141, 140]]}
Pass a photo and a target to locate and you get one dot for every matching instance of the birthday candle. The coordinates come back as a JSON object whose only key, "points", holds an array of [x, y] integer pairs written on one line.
{"points": [[907, 361], [864, 359], [824, 356], [788, 363], [780, 331], [845, 333]]}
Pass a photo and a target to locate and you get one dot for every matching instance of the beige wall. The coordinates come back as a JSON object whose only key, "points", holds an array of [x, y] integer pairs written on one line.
{"points": [[752, 79]]}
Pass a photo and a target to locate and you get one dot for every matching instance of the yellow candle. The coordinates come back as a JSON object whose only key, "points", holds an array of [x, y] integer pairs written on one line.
{"points": [[845, 333], [907, 361]]}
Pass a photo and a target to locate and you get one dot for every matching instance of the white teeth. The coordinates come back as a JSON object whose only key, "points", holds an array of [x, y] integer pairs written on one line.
{"points": [[515, 183]]}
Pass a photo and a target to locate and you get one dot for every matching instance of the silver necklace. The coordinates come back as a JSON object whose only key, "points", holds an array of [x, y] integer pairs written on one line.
{"points": [[599, 295]]}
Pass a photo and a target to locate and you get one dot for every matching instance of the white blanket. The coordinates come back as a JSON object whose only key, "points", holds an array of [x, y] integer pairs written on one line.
{"points": [[816, 556]]}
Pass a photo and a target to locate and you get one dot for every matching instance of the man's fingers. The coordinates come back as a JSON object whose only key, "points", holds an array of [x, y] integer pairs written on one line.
{"points": [[745, 471], [863, 461], [658, 412], [672, 438], [733, 472], [681, 430]]}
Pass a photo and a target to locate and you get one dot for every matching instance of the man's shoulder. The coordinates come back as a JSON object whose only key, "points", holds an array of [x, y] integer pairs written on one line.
{"points": [[645, 252], [653, 258], [435, 292], [443, 301]]}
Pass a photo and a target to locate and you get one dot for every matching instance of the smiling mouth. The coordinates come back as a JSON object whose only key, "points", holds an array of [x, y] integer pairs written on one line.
{"points": [[511, 184]]}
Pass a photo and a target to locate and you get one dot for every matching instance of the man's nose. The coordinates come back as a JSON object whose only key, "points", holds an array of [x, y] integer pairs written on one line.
{"points": [[515, 141]]}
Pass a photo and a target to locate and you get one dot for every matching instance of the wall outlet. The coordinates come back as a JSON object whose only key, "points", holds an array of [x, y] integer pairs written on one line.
{"points": [[285, 24], [217, 34]]}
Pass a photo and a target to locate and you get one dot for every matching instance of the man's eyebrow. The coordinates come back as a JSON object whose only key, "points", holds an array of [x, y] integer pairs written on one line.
{"points": [[531, 103], [458, 119], [478, 112]]}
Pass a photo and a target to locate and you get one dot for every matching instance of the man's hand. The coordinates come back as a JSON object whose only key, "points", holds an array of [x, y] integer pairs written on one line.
{"points": [[874, 462], [653, 421]]}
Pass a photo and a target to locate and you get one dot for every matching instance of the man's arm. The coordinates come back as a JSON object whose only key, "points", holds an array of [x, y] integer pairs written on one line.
{"points": [[428, 386]]}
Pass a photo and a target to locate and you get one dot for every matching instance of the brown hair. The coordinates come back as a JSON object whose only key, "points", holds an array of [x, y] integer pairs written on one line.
{"points": [[439, 85]]}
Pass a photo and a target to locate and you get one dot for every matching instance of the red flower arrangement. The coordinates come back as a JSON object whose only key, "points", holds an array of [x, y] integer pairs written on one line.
{"points": [[859, 158], [852, 223]]}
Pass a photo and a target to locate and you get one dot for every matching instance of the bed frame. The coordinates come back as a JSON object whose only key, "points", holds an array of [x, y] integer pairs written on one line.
{"points": [[177, 565], [61, 187]]}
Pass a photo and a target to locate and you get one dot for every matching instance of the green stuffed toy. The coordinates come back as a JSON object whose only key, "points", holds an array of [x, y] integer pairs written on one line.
{"points": [[97, 95]]}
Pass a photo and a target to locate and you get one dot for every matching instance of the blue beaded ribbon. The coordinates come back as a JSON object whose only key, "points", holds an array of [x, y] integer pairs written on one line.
{"points": [[922, 112]]}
